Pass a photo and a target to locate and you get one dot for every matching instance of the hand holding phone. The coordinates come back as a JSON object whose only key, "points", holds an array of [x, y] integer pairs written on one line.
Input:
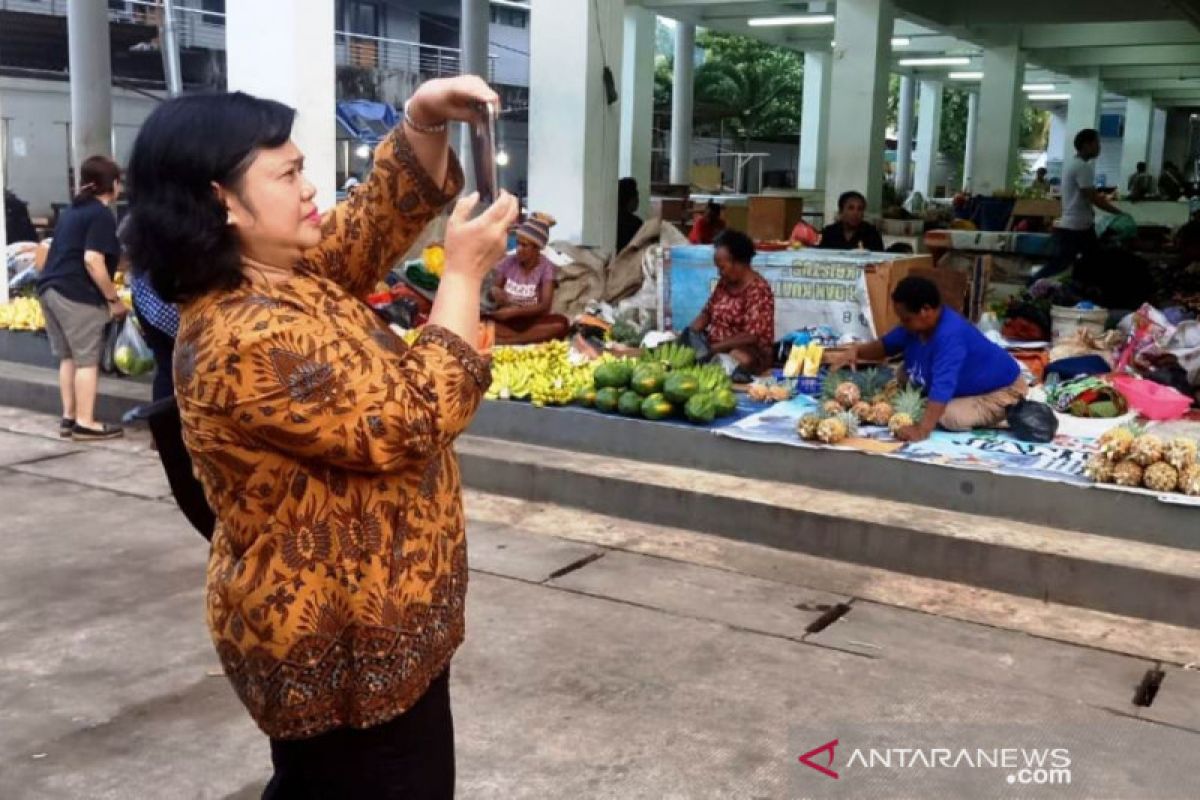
{"points": [[483, 151]]}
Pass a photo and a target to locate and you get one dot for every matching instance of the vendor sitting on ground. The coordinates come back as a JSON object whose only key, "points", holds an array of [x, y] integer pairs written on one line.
{"points": [[804, 234], [851, 231], [706, 226], [523, 289], [739, 318], [970, 380]]}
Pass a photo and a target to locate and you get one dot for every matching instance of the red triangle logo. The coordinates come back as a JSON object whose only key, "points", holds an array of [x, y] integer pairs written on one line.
{"points": [[828, 748]]}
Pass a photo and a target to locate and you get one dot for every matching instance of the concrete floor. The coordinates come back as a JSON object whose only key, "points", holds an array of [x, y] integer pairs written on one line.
{"points": [[634, 676]]}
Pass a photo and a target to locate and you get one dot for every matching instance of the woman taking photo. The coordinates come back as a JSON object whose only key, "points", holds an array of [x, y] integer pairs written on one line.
{"points": [[338, 570], [78, 296]]}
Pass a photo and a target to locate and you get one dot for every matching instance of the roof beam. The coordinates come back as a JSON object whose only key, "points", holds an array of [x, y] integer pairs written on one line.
{"points": [[1178, 103], [1144, 72], [1171, 54], [1032, 12], [1169, 94], [675, 5], [1143, 85], [1108, 34]]}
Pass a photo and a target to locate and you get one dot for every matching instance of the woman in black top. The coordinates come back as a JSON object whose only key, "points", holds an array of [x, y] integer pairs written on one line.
{"points": [[851, 231], [78, 296]]}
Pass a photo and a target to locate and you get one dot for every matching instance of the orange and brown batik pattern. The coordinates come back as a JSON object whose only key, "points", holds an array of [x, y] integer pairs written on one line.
{"points": [[324, 443]]}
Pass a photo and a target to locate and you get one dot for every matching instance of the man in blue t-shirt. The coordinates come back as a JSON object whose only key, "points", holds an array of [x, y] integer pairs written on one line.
{"points": [[969, 380]]}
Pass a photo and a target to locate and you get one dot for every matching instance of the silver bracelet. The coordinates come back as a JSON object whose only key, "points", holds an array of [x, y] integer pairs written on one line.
{"points": [[427, 129]]}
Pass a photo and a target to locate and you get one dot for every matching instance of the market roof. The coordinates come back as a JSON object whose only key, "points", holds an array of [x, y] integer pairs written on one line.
{"points": [[1145, 47]]}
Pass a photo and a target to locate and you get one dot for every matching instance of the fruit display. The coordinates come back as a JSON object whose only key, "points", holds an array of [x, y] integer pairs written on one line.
{"points": [[542, 374], [804, 361], [870, 397], [835, 429], [862, 410], [908, 407], [771, 391], [648, 379], [656, 407], [881, 413], [725, 401], [700, 393], [22, 314], [701, 408], [1128, 456], [630, 404], [807, 427], [607, 399], [671, 355], [681, 387]]}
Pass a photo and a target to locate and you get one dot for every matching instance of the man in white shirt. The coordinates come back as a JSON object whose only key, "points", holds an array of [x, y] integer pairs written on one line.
{"points": [[1075, 231]]}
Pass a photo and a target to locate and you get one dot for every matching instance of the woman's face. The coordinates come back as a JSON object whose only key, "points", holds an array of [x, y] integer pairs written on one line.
{"points": [[273, 209], [852, 212], [527, 252], [726, 266]]}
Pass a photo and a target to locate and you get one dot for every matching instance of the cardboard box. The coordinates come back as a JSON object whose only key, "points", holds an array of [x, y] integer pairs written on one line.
{"points": [[882, 279], [772, 217]]}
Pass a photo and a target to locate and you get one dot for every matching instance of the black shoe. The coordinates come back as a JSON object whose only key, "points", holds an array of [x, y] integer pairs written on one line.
{"points": [[105, 431], [65, 426], [741, 376]]}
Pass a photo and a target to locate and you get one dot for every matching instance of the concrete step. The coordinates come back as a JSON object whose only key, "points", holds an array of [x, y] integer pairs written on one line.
{"points": [[1123, 577]]}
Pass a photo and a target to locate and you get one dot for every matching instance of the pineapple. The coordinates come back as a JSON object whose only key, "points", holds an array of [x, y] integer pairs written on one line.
{"points": [[1127, 473], [1181, 452], [1189, 481], [832, 381], [1115, 443], [759, 392], [1146, 450], [1161, 477], [881, 413], [890, 390], [870, 384], [1100, 469], [835, 429], [848, 394], [807, 428], [909, 407], [779, 393], [861, 410], [831, 407]]}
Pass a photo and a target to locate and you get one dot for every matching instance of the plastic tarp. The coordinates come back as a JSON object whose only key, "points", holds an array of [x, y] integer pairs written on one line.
{"points": [[367, 120]]}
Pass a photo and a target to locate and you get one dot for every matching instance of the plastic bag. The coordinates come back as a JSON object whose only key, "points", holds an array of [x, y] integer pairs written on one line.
{"points": [[699, 342], [107, 356], [1032, 422], [131, 355]]}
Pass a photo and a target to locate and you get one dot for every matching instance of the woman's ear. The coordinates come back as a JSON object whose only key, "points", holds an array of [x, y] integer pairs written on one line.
{"points": [[223, 199]]}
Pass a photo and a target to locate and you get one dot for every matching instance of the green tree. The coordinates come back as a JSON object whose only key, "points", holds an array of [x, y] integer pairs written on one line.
{"points": [[748, 87]]}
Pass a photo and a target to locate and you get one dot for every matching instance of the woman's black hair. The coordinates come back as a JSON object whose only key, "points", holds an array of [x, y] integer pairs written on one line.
{"points": [[916, 293], [740, 246], [97, 175], [846, 197], [177, 231]]}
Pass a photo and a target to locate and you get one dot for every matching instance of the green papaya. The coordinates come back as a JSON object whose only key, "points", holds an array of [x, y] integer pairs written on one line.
{"points": [[701, 409], [607, 399], [656, 407], [681, 387], [586, 397], [725, 402], [614, 374], [630, 404], [648, 379]]}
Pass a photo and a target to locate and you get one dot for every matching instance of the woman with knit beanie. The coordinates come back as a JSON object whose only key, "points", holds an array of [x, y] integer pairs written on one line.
{"points": [[524, 288]]}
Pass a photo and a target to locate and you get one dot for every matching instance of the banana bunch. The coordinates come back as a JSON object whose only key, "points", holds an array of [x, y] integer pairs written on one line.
{"points": [[22, 314], [544, 374], [712, 377]]}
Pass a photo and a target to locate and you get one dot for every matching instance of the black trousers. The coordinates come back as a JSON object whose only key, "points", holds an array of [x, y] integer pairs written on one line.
{"points": [[409, 758]]}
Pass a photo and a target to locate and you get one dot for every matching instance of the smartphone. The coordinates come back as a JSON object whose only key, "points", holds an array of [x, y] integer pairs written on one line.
{"points": [[483, 152]]}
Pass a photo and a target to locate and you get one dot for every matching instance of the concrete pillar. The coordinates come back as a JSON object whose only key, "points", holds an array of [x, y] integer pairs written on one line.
{"points": [[1000, 107], [968, 181], [682, 88], [573, 131], [904, 135], [3, 216], [91, 81], [1139, 121], [929, 135], [1158, 140], [637, 101], [858, 101], [1057, 144], [814, 119], [279, 51], [473, 39], [1083, 109]]}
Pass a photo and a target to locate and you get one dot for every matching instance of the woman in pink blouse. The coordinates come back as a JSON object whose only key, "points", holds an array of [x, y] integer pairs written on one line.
{"points": [[524, 289], [739, 318]]}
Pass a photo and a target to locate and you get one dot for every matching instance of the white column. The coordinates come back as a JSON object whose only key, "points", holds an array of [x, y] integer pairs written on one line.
{"points": [[904, 136], [1158, 140], [637, 101], [1139, 120], [279, 51], [814, 119], [1000, 107], [968, 181], [1083, 109], [473, 39], [3, 217], [858, 101], [1056, 145], [91, 80], [682, 87], [573, 132], [929, 130]]}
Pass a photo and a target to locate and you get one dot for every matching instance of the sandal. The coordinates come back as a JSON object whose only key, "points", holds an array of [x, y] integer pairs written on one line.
{"points": [[65, 427], [105, 431]]}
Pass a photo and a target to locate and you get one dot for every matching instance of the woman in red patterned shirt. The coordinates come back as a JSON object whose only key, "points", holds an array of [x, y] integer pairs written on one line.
{"points": [[739, 318]]}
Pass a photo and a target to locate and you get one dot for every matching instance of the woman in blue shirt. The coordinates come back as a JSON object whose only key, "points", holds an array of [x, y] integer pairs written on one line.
{"points": [[969, 379]]}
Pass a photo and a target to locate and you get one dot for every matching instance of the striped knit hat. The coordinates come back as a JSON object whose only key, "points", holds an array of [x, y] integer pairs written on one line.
{"points": [[536, 228]]}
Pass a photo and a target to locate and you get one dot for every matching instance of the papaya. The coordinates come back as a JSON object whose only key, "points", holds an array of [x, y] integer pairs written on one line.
{"points": [[680, 387], [725, 402], [656, 407], [607, 399], [586, 397], [614, 374], [648, 379], [701, 409], [630, 404]]}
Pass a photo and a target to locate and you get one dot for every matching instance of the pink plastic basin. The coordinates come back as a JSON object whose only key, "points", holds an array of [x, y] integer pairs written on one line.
{"points": [[1152, 400]]}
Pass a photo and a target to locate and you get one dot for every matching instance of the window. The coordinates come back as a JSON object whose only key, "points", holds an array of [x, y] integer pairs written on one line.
{"points": [[512, 17], [215, 11], [363, 18]]}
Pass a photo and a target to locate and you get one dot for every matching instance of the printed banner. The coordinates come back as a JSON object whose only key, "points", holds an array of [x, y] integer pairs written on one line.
{"points": [[812, 287]]}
